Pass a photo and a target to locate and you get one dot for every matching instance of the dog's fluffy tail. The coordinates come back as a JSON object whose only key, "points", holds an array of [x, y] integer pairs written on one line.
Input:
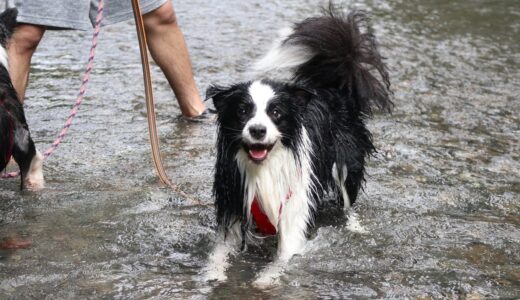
{"points": [[333, 51]]}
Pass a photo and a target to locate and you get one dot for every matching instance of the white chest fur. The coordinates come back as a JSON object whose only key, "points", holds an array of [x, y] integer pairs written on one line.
{"points": [[275, 178], [269, 181]]}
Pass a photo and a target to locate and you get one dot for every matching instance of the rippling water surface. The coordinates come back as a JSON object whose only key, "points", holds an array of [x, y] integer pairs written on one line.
{"points": [[441, 204]]}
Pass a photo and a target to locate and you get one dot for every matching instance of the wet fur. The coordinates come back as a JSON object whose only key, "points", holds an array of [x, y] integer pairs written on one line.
{"points": [[337, 77], [15, 139]]}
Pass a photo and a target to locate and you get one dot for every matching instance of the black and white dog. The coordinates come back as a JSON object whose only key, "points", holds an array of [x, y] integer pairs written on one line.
{"points": [[283, 145], [15, 139]]}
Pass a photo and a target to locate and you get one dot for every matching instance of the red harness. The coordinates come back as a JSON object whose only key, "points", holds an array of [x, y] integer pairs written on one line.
{"points": [[263, 224]]}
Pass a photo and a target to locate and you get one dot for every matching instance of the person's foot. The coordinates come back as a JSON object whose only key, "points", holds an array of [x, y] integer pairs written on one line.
{"points": [[206, 115], [193, 108]]}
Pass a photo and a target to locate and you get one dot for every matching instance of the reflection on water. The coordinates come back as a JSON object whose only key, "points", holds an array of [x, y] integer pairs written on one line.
{"points": [[441, 204]]}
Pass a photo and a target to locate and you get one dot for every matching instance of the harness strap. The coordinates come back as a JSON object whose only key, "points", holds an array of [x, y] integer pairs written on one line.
{"points": [[263, 224]]}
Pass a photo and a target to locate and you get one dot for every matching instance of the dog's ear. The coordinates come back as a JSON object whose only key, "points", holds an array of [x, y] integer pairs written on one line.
{"points": [[8, 19], [217, 93], [213, 91], [303, 95], [220, 95]]}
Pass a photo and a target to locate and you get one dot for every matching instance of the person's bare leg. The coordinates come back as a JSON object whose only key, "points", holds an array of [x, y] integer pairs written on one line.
{"points": [[168, 49], [20, 50]]}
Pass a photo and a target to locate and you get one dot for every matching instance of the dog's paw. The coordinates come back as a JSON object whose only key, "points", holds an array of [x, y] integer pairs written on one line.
{"points": [[266, 281], [214, 274], [269, 277], [34, 179], [34, 184], [215, 270], [354, 225]]}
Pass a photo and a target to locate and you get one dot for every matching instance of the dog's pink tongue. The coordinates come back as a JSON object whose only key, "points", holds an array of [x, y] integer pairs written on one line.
{"points": [[258, 153]]}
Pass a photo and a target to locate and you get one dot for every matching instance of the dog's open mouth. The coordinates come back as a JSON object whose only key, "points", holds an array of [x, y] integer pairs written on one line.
{"points": [[258, 152]]}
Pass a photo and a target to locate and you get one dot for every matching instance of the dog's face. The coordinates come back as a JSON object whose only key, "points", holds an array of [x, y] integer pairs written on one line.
{"points": [[258, 115], [7, 25]]}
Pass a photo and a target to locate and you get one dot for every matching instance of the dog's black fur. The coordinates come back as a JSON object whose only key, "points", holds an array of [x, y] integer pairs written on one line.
{"points": [[15, 139]]}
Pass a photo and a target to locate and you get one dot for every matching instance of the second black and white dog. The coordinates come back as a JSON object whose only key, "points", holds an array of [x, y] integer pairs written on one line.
{"points": [[283, 145], [15, 139]]}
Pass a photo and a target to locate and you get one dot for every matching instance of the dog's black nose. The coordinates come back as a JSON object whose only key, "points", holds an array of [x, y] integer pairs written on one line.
{"points": [[257, 131]]}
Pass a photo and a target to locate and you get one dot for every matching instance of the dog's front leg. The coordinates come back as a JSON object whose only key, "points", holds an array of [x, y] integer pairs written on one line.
{"points": [[28, 159], [229, 242], [292, 228]]}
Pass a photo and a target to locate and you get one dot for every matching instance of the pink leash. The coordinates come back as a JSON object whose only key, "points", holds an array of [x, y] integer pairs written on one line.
{"points": [[81, 93]]}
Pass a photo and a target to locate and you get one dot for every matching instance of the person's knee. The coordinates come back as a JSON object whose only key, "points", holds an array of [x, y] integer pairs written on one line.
{"points": [[27, 37], [164, 15]]}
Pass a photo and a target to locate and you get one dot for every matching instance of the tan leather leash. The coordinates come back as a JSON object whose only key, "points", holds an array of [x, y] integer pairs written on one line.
{"points": [[150, 105]]}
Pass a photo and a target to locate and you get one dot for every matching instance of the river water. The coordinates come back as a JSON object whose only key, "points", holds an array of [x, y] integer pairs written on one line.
{"points": [[441, 205]]}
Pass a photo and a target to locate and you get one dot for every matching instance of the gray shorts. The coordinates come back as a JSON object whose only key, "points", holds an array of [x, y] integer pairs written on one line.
{"points": [[77, 14]]}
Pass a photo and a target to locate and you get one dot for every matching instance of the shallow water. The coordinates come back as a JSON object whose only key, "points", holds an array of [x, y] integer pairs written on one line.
{"points": [[441, 204]]}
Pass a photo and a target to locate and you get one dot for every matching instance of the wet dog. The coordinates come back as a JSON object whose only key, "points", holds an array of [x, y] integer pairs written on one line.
{"points": [[15, 139], [285, 144]]}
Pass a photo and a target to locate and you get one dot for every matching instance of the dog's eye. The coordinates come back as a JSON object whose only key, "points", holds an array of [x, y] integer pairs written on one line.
{"points": [[276, 114], [242, 111]]}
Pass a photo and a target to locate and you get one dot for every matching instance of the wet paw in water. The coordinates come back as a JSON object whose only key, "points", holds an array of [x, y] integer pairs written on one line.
{"points": [[353, 223], [217, 265], [270, 276], [34, 180], [211, 274]]}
